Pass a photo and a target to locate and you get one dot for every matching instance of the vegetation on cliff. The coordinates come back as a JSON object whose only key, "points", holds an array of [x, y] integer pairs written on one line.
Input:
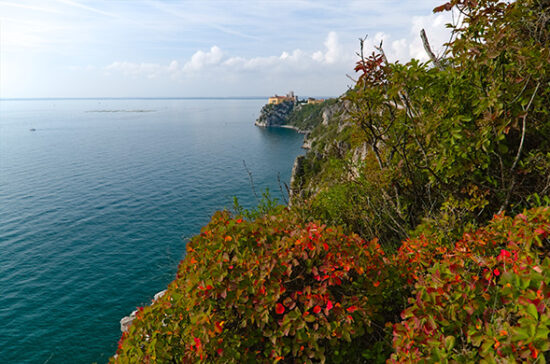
{"points": [[397, 247], [450, 145]]}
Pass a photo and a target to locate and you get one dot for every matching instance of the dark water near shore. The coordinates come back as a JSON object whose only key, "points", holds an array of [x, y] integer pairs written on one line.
{"points": [[96, 203]]}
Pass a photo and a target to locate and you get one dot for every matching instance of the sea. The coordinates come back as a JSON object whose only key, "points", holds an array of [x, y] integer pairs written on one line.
{"points": [[98, 198]]}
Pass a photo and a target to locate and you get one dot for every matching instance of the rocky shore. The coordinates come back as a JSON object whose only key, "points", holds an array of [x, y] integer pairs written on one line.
{"points": [[126, 321]]}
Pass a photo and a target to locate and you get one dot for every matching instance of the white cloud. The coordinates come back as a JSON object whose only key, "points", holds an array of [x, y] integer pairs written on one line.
{"points": [[404, 49], [436, 32], [87, 8], [203, 63], [201, 59], [334, 52]]}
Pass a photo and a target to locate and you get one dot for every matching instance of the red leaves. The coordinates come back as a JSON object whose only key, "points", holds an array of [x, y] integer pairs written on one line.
{"points": [[279, 309], [504, 254], [121, 340], [506, 245], [198, 346], [273, 271], [444, 7], [197, 342], [542, 231]]}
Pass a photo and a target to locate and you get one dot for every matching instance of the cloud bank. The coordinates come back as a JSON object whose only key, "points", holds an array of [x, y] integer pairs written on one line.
{"points": [[201, 48], [218, 67], [215, 59]]}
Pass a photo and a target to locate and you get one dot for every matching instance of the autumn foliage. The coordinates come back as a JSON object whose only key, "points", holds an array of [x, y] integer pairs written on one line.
{"points": [[263, 291], [454, 183], [487, 298]]}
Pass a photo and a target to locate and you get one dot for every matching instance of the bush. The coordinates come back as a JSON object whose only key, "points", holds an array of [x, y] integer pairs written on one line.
{"points": [[485, 300], [453, 141], [267, 290]]}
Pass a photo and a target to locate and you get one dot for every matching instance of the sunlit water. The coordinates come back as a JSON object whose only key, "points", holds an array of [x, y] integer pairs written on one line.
{"points": [[97, 198]]}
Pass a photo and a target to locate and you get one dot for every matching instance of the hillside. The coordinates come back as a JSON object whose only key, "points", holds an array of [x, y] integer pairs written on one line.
{"points": [[419, 229]]}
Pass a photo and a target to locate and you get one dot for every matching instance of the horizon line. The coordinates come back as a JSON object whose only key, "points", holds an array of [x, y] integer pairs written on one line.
{"points": [[147, 98]]}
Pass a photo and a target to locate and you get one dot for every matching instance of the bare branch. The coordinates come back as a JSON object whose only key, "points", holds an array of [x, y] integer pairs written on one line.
{"points": [[520, 148], [381, 50], [429, 49], [251, 180]]}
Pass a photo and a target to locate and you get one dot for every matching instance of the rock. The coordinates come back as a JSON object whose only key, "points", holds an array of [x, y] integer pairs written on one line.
{"points": [[296, 175], [327, 115], [275, 115], [126, 321], [158, 295]]}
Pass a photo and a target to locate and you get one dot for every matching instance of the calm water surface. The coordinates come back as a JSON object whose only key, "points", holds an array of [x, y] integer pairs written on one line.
{"points": [[96, 205]]}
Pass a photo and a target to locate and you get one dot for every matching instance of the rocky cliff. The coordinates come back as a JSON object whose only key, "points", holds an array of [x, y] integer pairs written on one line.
{"points": [[275, 115], [327, 137]]}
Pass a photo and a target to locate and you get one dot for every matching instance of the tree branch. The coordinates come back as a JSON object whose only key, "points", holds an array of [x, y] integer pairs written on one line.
{"points": [[429, 49], [524, 126]]}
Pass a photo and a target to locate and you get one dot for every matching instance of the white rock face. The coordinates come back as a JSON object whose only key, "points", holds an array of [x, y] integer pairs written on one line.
{"points": [[158, 295], [126, 321], [327, 115]]}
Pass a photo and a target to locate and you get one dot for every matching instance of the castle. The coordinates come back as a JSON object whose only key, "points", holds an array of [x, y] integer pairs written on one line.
{"points": [[278, 99]]}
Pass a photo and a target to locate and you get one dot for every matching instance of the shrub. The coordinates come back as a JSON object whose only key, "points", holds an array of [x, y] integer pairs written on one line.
{"points": [[455, 140], [267, 290], [485, 300]]}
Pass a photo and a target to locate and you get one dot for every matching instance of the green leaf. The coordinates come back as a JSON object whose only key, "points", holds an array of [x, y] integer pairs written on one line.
{"points": [[532, 310], [449, 342]]}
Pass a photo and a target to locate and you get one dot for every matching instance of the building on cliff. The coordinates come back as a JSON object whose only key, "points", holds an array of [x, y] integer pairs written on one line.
{"points": [[311, 100], [279, 99]]}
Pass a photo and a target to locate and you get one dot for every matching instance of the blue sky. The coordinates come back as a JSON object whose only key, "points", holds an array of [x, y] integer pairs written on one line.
{"points": [[153, 48]]}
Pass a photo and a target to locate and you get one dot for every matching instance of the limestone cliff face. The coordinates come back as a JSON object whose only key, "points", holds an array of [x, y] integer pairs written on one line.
{"points": [[273, 115], [328, 137]]}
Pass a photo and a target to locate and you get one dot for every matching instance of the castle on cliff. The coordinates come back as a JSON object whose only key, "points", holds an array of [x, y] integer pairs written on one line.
{"points": [[278, 99]]}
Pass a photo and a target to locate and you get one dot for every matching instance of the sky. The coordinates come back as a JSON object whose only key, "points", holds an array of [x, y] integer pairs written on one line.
{"points": [[207, 48]]}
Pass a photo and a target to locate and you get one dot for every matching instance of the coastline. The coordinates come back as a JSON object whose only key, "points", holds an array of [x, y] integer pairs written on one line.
{"points": [[298, 130]]}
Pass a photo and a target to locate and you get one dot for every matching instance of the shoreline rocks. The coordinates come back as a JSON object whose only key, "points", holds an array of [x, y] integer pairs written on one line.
{"points": [[126, 321], [275, 114]]}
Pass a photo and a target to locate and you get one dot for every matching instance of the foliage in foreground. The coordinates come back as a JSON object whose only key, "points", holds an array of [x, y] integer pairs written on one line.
{"points": [[449, 146], [275, 289], [485, 299], [264, 291]]}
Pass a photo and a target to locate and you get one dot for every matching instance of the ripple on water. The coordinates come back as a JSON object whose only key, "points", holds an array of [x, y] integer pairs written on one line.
{"points": [[93, 208]]}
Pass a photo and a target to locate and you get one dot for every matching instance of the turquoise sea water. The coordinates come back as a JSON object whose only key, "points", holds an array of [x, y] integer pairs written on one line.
{"points": [[96, 204]]}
